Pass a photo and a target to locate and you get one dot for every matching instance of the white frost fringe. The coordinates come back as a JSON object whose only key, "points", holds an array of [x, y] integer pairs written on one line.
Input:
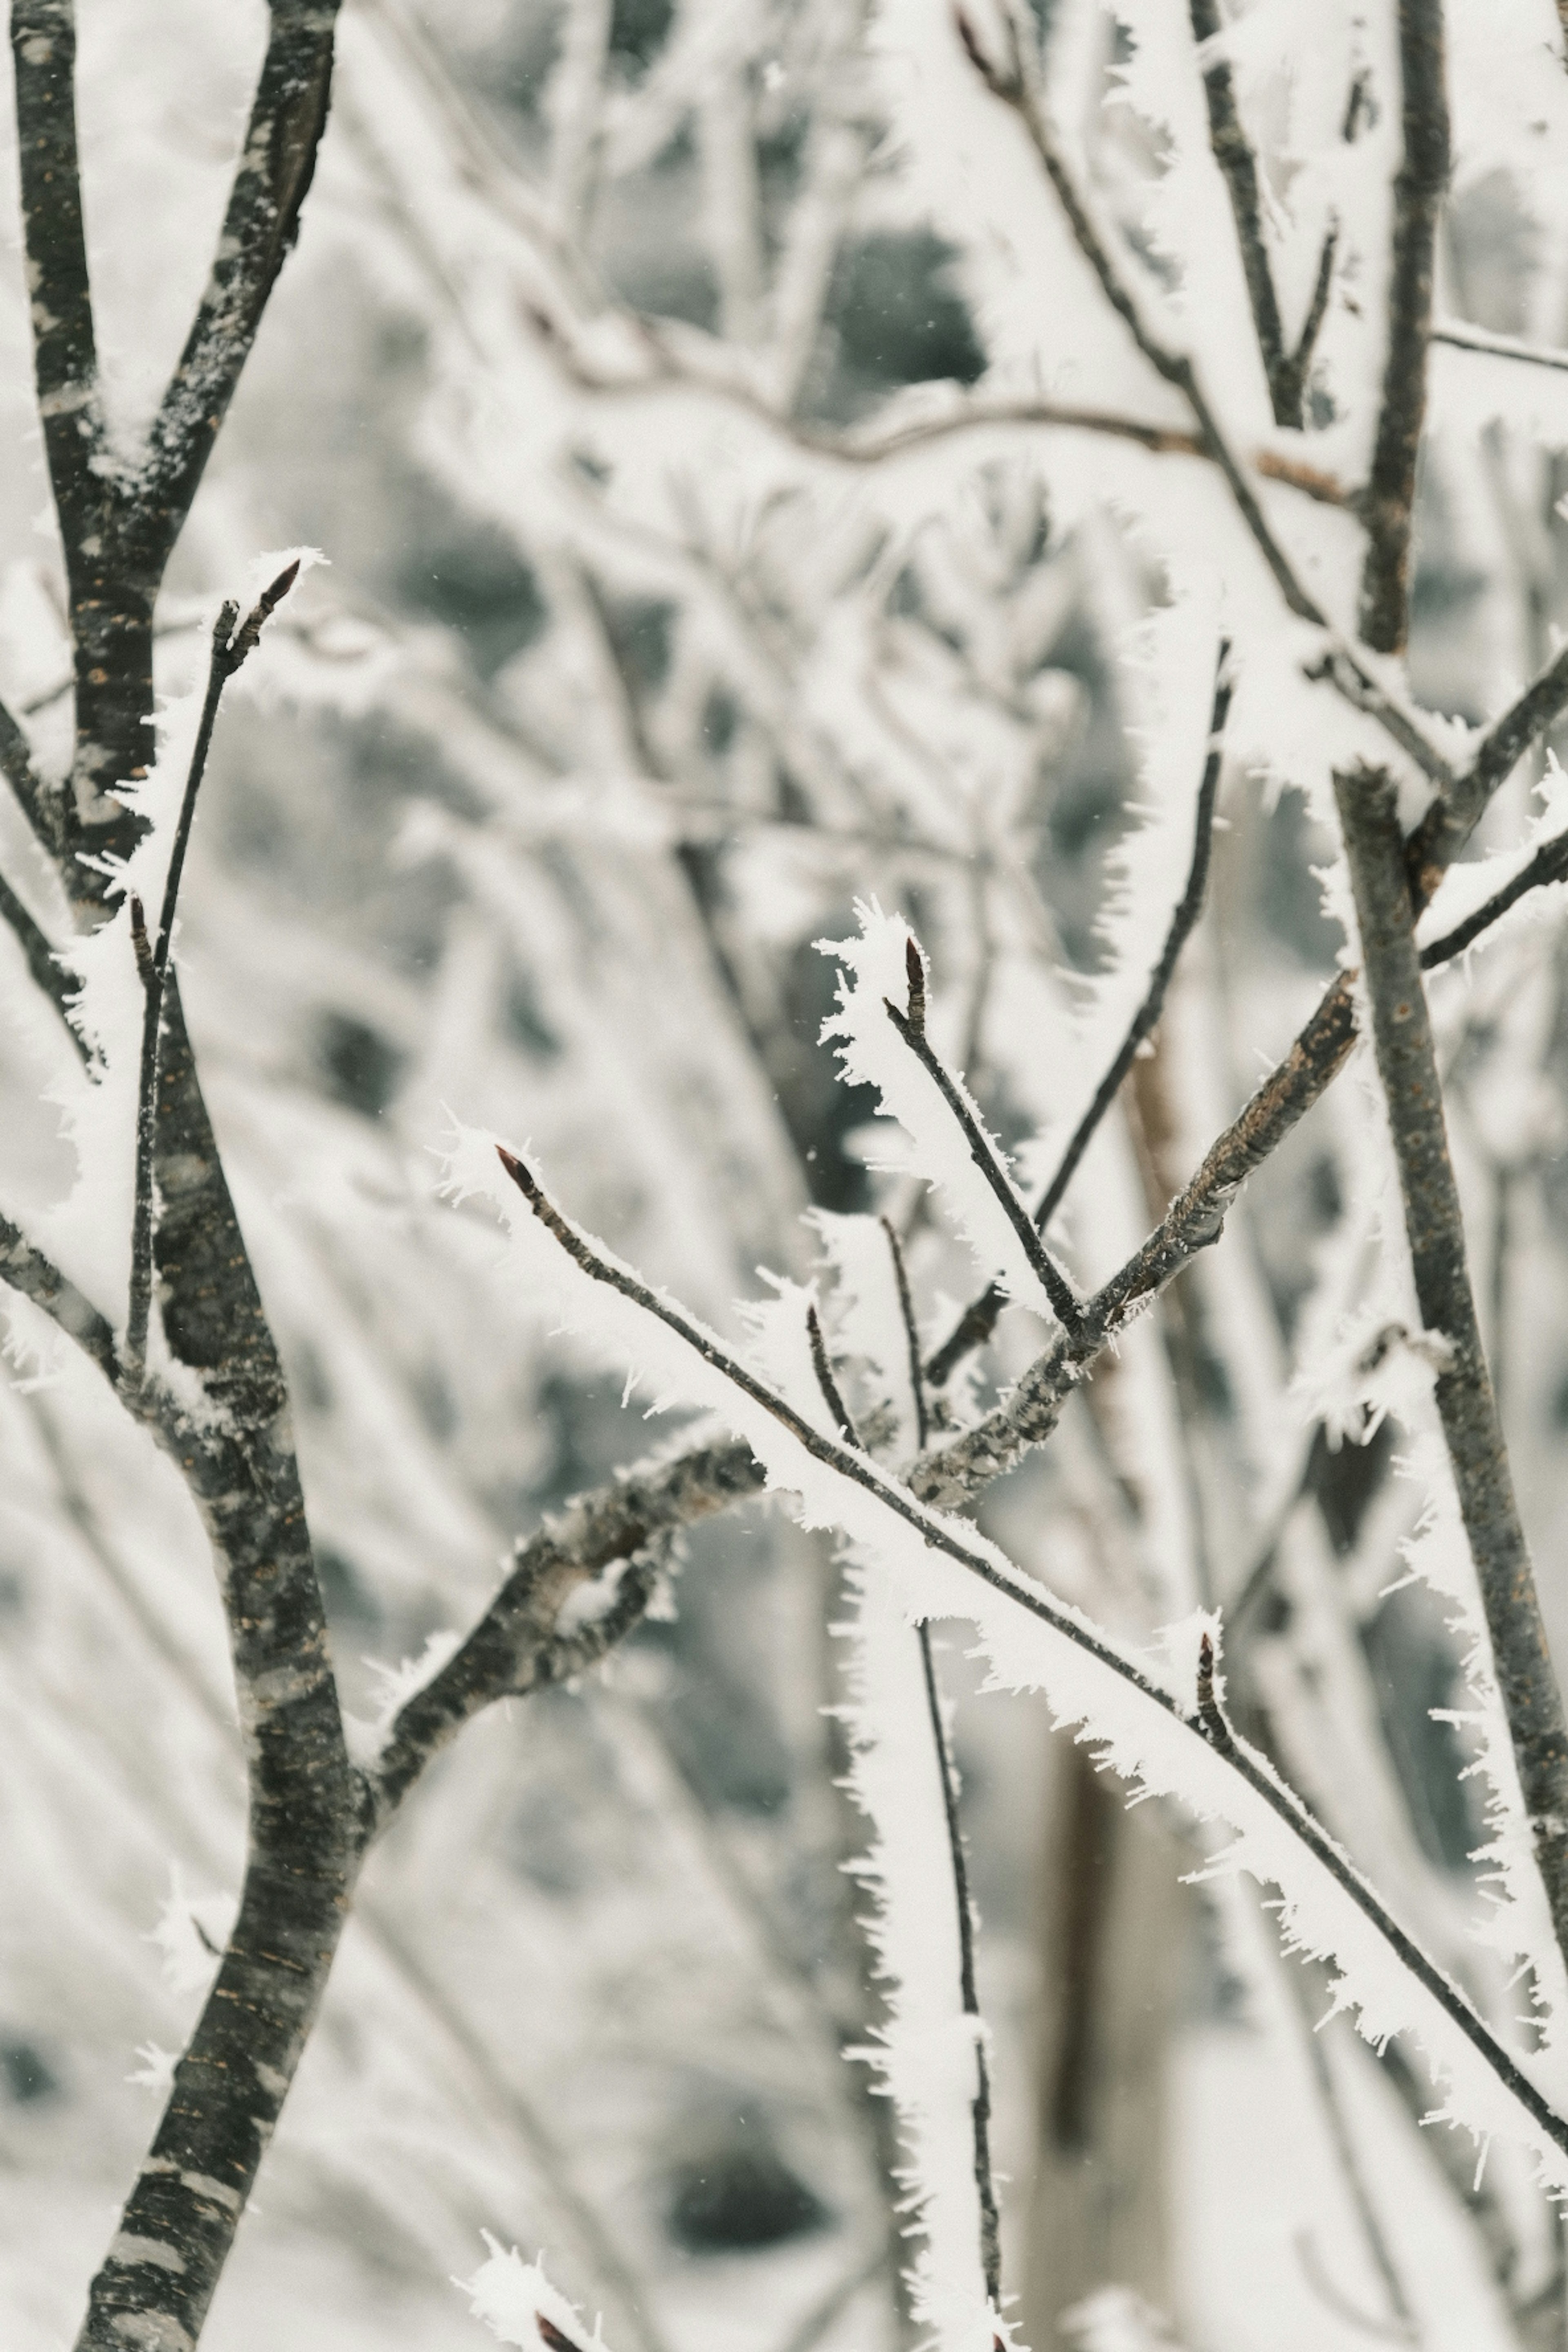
{"points": [[1155, 1752], [926, 2051]]}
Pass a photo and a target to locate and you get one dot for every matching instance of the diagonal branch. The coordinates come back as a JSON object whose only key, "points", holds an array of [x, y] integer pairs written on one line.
{"points": [[26, 1269], [1550, 864], [1419, 187], [56, 984], [1209, 1724], [506, 1652], [276, 164], [1454, 814], [910, 1026], [1233, 153], [978, 1321], [31, 795], [1407, 1065]]}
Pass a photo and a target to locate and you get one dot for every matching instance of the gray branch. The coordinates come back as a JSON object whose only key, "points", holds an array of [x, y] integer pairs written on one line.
{"points": [[1407, 1065]]}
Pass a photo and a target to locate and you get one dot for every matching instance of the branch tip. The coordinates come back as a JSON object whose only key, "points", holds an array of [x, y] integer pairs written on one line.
{"points": [[914, 967]]}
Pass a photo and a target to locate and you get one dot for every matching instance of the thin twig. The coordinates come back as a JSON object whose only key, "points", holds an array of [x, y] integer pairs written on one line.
{"points": [[980, 2109], [910, 1026], [231, 647], [947, 1772], [1452, 817], [1209, 1725], [1550, 864], [1016, 85], [911, 1333], [1406, 1061], [1233, 153], [979, 1320]]}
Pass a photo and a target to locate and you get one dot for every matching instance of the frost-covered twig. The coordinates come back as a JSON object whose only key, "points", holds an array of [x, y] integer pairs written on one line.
{"points": [[939, 1533], [1017, 85], [1550, 864], [272, 178], [1286, 370], [910, 1026], [1388, 499], [979, 1320], [1456, 811], [504, 1652], [947, 1774], [1433, 1224], [233, 641], [980, 2110]]}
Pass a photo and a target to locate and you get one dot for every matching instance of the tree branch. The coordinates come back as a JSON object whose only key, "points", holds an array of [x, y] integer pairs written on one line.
{"points": [[1017, 86], [56, 984], [1434, 1225], [65, 356], [505, 1653], [1550, 864], [276, 164], [35, 802], [980, 2106], [1454, 814], [231, 647], [1419, 187], [910, 1026], [1233, 153], [978, 1321], [26, 1269], [939, 1532], [308, 1818]]}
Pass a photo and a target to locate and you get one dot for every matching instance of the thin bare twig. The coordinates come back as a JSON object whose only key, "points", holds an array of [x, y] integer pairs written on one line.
{"points": [[1434, 1223], [1285, 369], [980, 2107], [910, 1026], [979, 1318], [911, 1333], [1209, 1724], [231, 646]]}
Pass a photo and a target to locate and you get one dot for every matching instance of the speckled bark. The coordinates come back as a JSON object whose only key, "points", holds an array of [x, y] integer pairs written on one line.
{"points": [[120, 517], [309, 1812], [1419, 188], [1407, 1065]]}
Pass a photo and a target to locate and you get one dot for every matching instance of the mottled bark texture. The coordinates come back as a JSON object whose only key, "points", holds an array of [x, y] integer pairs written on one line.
{"points": [[1418, 190], [120, 517], [308, 1809], [1407, 1065]]}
